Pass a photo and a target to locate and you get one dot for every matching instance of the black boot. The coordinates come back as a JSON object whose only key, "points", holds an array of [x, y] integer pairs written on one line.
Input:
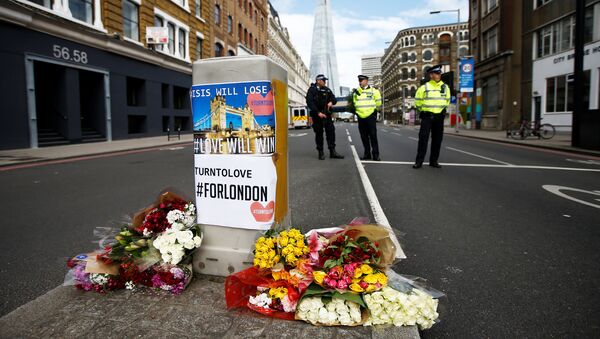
{"points": [[335, 155], [321, 155]]}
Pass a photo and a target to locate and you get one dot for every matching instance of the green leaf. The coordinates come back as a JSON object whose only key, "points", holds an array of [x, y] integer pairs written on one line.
{"points": [[330, 263]]}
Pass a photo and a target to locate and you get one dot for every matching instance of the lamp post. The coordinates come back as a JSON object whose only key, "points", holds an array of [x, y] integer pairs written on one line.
{"points": [[457, 57]]}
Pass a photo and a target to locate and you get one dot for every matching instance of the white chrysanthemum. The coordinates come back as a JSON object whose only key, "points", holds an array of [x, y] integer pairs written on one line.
{"points": [[99, 278], [175, 216]]}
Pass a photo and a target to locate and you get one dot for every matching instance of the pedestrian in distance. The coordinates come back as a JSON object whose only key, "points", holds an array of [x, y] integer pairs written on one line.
{"points": [[319, 100], [431, 99], [367, 102]]}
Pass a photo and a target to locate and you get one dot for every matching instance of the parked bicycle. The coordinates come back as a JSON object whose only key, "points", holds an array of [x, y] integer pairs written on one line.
{"points": [[526, 128]]}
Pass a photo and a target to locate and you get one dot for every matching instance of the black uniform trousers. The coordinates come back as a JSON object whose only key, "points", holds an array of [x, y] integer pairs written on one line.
{"points": [[320, 124], [433, 123], [368, 135]]}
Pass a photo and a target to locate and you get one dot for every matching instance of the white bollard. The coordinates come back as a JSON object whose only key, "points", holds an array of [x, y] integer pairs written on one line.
{"points": [[230, 235]]}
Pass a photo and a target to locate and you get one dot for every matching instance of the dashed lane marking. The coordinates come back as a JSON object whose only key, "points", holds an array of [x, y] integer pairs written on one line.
{"points": [[350, 138], [413, 138]]}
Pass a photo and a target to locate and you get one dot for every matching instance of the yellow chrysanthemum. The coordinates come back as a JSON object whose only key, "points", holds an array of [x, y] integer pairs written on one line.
{"points": [[278, 293], [318, 276], [283, 241], [297, 251], [305, 250], [291, 259]]}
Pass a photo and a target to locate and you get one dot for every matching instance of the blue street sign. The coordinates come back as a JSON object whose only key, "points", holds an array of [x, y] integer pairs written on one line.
{"points": [[467, 69]]}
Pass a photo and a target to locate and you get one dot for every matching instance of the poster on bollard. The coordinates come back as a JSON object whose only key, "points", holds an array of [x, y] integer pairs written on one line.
{"points": [[234, 118], [235, 192], [234, 140]]}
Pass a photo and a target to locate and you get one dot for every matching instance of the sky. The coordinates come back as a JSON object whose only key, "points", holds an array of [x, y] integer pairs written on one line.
{"points": [[362, 27]]}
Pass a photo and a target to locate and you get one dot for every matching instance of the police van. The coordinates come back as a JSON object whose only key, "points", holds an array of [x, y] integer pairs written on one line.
{"points": [[300, 117]]}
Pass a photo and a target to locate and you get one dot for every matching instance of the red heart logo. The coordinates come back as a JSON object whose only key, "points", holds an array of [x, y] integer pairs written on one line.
{"points": [[262, 213], [261, 105]]}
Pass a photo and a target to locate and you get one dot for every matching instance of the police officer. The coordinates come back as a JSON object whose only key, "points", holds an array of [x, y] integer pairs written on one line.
{"points": [[431, 99], [367, 102], [319, 100]]}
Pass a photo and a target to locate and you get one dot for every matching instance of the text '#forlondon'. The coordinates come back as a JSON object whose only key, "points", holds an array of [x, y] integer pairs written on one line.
{"points": [[231, 191]]}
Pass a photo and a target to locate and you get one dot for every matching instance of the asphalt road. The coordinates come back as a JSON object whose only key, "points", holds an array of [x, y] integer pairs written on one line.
{"points": [[513, 259]]}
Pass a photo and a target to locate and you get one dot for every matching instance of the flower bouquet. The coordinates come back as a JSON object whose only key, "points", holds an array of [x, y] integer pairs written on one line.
{"points": [[280, 274], [389, 306], [351, 260], [154, 251]]}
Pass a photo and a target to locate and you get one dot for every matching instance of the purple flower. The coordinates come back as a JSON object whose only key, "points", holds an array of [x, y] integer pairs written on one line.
{"points": [[177, 273], [156, 281]]}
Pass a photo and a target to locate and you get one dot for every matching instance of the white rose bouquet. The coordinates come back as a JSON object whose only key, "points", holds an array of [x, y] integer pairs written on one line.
{"points": [[329, 311], [390, 306]]}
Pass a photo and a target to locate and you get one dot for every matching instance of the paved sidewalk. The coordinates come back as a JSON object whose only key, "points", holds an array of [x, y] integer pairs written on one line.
{"points": [[32, 155], [199, 312], [560, 142]]}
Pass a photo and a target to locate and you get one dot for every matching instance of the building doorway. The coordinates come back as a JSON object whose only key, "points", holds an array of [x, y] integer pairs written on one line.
{"points": [[66, 103]]}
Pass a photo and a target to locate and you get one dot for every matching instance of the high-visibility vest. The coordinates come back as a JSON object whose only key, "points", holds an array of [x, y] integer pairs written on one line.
{"points": [[432, 97], [366, 101]]}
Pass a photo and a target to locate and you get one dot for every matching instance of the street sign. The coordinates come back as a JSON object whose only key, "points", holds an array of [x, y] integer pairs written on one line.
{"points": [[157, 35], [467, 68]]}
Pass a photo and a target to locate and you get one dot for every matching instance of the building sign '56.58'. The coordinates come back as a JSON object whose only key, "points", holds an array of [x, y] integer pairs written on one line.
{"points": [[65, 53]]}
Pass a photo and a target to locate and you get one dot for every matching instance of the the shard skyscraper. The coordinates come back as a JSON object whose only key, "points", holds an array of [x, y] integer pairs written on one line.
{"points": [[323, 59]]}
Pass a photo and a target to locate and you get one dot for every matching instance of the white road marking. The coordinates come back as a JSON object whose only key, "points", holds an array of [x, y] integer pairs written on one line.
{"points": [[378, 213], [489, 165], [298, 135], [398, 134], [413, 138], [350, 138], [347, 133], [557, 190], [587, 162], [479, 156]]}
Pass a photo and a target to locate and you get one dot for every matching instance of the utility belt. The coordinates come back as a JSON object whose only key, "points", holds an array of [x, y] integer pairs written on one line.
{"points": [[427, 114]]}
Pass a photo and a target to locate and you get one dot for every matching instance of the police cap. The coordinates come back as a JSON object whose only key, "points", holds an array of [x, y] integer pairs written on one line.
{"points": [[362, 77], [435, 69], [320, 77]]}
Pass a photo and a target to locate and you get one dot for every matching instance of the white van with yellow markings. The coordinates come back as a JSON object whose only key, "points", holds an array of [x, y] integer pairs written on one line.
{"points": [[300, 117]]}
